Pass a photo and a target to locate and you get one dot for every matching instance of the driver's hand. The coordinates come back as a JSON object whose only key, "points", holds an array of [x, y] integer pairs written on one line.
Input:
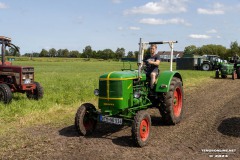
{"points": [[150, 61]]}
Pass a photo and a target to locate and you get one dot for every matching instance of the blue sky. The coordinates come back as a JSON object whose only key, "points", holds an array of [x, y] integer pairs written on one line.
{"points": [[102, 24]]}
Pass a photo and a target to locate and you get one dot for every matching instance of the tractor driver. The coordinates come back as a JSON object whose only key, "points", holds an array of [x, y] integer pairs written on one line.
{"points": [[154, 62]]}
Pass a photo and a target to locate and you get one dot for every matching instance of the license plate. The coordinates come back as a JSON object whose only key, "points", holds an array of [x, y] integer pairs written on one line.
{"points": [[111, 120]]}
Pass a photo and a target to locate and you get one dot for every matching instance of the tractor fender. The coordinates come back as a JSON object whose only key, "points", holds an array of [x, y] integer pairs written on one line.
{"points": [[164, 80]]}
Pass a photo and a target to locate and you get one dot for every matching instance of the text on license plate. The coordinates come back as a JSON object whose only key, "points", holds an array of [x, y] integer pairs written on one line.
{"points": [[112, 120]]}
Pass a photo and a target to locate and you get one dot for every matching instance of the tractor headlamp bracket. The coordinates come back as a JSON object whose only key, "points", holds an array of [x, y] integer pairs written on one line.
{"points": [[96, 92]]}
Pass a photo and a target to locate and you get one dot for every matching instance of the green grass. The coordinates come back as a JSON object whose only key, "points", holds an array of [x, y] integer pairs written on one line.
{"points": [[67, 84]]}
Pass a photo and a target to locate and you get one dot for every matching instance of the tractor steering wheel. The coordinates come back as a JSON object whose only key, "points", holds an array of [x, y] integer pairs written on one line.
{"points": [[146, 65]]}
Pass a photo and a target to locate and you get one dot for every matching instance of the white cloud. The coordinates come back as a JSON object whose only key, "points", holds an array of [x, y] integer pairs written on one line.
{"points": [[3, 6], [212, 31], [134, 28], [154, 21], [161, 7], [199, 36], [219, 37], [217, 8]]}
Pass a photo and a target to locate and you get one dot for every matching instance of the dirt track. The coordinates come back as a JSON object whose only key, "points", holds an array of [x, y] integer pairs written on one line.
{"points": [[211, 121]]}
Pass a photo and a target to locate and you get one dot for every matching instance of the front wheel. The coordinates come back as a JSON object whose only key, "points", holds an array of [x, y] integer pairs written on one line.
{"points": [[86, 119], [37, 93], [5, 93], [171, 107], [141, 128], [224, 76], [206, 67], [217, 74]]}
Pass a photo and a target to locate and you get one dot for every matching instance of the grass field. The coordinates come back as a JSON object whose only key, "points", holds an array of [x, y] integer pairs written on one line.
{"points": [[67, 83]]}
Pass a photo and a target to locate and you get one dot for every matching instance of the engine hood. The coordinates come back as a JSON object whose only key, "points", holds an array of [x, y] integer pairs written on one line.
{"points": [[122, 75]]}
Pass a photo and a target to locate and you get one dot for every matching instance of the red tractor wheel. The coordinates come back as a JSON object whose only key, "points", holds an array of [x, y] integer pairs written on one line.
{"points": [[234, 75], [86, 119], [177, 102], [171, 107], [141, 128]]}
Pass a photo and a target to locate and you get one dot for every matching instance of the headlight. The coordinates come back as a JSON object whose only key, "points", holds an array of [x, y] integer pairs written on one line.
{"points": [[96, 92], [27, 81], [136, 94]]}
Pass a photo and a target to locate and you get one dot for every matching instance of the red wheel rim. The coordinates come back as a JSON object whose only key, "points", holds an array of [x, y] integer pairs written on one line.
{"points": [[177, 102], [144, 129], [88, 122]]}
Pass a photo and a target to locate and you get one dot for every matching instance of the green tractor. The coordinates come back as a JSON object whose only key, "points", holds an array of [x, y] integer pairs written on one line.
{"points": [[211, 62], [124, 97], [226, 69]]}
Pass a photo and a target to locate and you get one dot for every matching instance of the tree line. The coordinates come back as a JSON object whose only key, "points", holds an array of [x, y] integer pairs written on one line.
{"points": [[213, 49], [88, 52]]}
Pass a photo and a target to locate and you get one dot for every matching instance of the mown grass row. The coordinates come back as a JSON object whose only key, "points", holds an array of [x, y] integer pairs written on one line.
{"points": [[66, 85]]}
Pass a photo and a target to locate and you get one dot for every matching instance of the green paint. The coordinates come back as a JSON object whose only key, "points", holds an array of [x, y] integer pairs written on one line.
{"points": [[164, 80]]}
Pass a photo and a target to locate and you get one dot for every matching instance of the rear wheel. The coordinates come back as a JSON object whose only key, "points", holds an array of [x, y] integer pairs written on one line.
{"points": [[141, 128], [37, 93], [5, 93], [86, 119], [171, 107], [238, 72], [234, 75]]}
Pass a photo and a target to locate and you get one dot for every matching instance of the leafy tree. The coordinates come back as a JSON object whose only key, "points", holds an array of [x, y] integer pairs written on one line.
{"points": [[74, 54], [190, 49], [52, 52], [59, 53], [65, 53], [87, 52], [99, 54], [94, 54], [43, 53], [108, 54], [212, 49], [35, 54], [120, 52], [234, 48], [136, 54], [130, 54], [7, 53]]}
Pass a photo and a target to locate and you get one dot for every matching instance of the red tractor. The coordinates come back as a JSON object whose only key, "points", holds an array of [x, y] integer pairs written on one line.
{"points": [[16, 78]]}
